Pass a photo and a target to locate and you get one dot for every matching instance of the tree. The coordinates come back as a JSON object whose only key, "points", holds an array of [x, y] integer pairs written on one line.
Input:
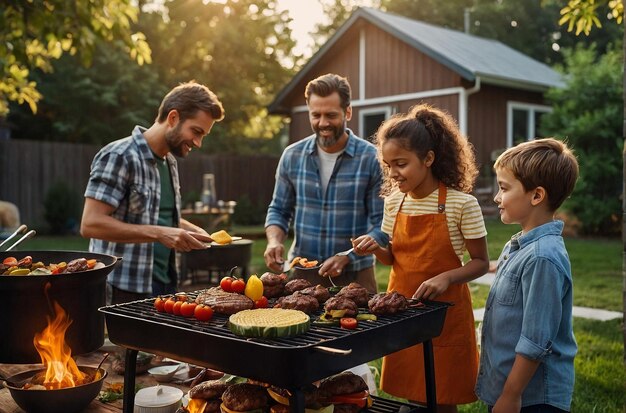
{"points": [[582, 14], [586, 113], [33, 33]]}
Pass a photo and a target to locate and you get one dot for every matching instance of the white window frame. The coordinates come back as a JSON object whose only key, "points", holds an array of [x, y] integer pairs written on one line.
{"points": [[385, 110], [531, 128]]}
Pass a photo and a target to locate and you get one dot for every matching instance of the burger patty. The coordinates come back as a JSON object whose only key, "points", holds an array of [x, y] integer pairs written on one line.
{"points": [[224, 302], [342, 303], [245, 396], [299, 301], [296, 285], [342, 383], [356, 292], [273, 284], [387, 303], [212, 389], [320, 292]]}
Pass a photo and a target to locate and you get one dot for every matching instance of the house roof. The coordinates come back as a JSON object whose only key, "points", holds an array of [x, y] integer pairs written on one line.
{"points": [[470, 56]]}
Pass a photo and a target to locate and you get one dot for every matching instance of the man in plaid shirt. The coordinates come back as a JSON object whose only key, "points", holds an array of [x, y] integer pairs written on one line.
{"points": [[327, 186], [132, 200]]}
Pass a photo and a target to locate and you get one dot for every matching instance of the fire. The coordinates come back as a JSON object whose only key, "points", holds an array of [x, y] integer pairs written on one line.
{"points": [[196, 405], [56, 355]]}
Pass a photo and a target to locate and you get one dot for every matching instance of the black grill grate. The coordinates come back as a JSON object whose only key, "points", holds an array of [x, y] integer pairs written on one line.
{"points": [[218, 326]]}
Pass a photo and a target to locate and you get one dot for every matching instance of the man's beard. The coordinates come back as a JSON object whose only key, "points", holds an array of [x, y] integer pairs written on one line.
{"points": [[329, 142], [175, 142]]}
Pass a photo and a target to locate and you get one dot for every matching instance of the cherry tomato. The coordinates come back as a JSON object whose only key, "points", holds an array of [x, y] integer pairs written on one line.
{"points": [[238, 286], [348, 323], [181, 296], [159, 304], [169, 305], [203, 312], [176, 308], [187, 308], [227, 284], [10, 261], [261, 302]]}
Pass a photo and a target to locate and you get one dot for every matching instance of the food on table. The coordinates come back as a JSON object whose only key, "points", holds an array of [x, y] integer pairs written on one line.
{"points": [[340, 306], [269, 323], [254, 288], [347, 391], [273, 284], [302, 262], [297, 285], [221, 237], [211, 391], [388, 303], [244, 397], [318, 291], [356, 292], [299, 301], [224, 302]]}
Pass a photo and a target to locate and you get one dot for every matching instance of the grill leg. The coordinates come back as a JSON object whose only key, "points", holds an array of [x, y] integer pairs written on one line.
{"points": [[296, 401], [130, 368], [429, 372]]}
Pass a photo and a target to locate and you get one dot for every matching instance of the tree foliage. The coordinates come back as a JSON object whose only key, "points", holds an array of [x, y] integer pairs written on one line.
{"points": [[33, 33], [588, 114]]}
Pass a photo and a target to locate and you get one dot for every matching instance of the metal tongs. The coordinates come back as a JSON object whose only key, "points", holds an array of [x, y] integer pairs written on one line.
{"points": [[22, 228]]}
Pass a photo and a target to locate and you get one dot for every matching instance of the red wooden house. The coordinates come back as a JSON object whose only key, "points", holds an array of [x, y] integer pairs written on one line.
{"points": [[392, 62]]}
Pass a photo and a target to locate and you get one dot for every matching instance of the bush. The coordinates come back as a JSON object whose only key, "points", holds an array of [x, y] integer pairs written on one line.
{"points": [[62, 206], [588, 114], [249, 213]]}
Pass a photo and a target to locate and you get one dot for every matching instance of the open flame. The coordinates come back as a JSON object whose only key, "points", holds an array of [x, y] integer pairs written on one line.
{"points": [[56, 355], [196, 405]]}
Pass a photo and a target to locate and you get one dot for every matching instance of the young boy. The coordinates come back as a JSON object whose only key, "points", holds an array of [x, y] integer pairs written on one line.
{"points": [[528, 345]]}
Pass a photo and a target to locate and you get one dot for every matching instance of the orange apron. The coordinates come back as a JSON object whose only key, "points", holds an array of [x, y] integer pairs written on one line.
{"points": [[422, 250]]}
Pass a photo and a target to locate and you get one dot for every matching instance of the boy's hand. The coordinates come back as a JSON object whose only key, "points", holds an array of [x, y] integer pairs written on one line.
{"points": [[364, 245], [506, 404]]}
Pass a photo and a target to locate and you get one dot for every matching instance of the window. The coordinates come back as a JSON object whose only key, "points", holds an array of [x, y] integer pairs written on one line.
{"points": [[523, 121], [370, 119]]}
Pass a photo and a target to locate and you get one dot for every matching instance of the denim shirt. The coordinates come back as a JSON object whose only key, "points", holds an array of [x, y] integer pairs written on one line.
{"points": [[529, 312]]}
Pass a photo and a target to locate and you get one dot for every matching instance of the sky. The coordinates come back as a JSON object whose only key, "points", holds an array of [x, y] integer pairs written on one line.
{"points": [[305, 14]]}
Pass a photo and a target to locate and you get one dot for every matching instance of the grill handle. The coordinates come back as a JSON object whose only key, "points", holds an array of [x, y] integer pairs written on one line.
{"points": [[332, 350]]}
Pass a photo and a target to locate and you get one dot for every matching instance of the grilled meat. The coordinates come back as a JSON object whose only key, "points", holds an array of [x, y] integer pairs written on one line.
{"points": [[273, 284], [342, 303], [211, 389], [319, 292], [388, 303], [223, 302], [296, 285], [299, 301], [79, 264], [356, 292], [242, 397]]}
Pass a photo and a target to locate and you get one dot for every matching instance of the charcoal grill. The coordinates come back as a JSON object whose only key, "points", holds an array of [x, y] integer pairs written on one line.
{"points": [[291, 363]]}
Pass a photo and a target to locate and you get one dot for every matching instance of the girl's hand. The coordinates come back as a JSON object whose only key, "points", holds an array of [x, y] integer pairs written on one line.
{"points": [[364, 245], [432, 288]]}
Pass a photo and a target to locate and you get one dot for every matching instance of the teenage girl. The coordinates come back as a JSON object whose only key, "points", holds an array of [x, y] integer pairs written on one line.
{"points": [[432, 221]]}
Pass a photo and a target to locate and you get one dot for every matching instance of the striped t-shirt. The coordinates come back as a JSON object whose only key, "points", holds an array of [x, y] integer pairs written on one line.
{"points": [[464, 216]]}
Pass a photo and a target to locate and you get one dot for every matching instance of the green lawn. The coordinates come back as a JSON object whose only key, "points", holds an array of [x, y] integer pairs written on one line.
{"points": [[596, 268]]}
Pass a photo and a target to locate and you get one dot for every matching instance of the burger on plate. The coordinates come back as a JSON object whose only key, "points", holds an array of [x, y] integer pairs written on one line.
{"points": [[211, 391], [244, 397], [312, 401], [347, 391]]}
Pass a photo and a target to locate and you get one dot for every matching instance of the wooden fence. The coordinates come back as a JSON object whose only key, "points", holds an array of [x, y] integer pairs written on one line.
{"points": [[28, 169]]}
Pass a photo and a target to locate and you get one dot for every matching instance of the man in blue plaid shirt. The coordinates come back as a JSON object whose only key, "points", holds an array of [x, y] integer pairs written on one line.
{"points": [[328, 187], [132, 200]]}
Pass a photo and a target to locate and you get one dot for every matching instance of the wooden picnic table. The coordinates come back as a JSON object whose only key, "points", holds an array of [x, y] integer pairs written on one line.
{"points": [[7, 405]]}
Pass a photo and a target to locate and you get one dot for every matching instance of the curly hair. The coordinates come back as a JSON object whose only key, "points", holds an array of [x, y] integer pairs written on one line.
{"points": [[425, 128]]}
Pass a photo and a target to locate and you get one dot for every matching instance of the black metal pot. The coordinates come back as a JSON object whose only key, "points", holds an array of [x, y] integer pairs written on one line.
{"points": [[24, 305], [68, 400]]}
